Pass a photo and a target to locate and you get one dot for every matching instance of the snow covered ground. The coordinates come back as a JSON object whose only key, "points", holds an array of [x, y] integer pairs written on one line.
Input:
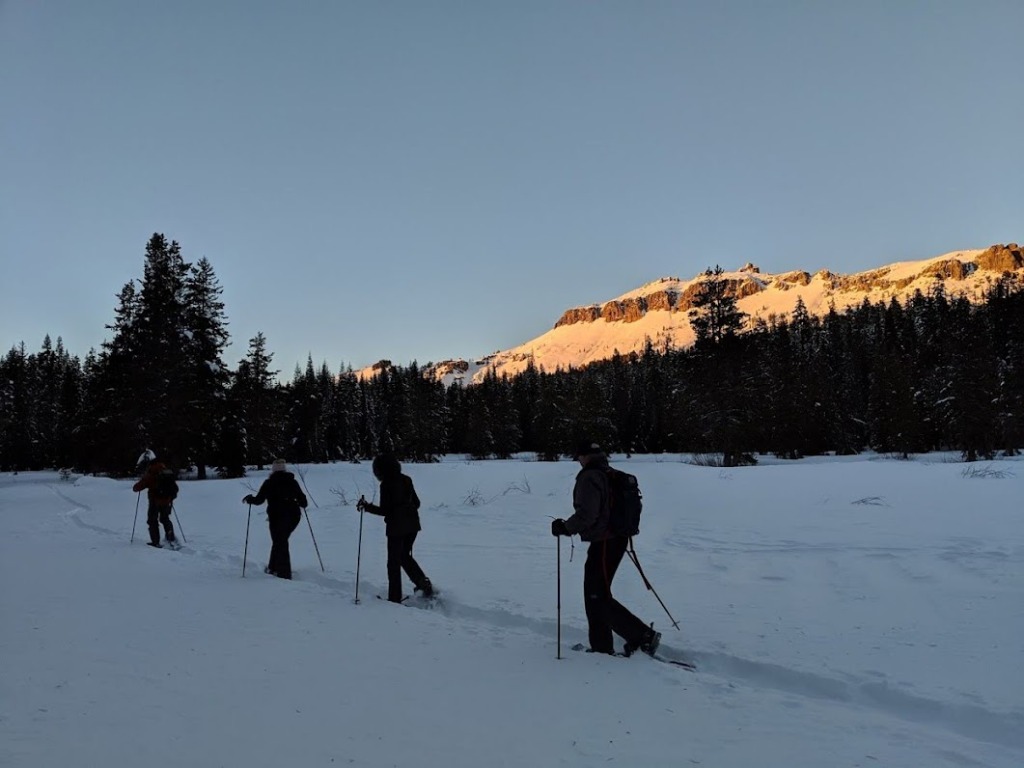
{"points": [[842, 612]]}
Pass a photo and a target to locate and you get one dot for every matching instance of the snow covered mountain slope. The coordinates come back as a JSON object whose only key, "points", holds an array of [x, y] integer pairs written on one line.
{"points": [[659, 310]]}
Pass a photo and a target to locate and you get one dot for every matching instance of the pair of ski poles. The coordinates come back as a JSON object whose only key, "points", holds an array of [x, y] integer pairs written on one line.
{"points": [[245, 551], [558, 600], [174, 512]]}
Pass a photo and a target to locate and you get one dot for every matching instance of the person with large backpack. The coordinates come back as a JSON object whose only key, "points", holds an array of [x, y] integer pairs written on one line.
{"points": [[161, 491], [608, 530], [399, 506], [285, 502]]}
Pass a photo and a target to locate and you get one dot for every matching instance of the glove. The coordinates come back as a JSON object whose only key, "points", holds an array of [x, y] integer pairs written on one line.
{"points": [[558, 528], [247, 499], [361, 504]]}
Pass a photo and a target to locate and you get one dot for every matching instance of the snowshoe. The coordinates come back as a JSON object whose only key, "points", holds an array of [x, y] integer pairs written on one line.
{"points": [[649, 642], [426, 589]]}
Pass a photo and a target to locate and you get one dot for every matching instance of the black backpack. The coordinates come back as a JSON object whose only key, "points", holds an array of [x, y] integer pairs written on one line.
{"points": [[625, 502], [166, 486]]}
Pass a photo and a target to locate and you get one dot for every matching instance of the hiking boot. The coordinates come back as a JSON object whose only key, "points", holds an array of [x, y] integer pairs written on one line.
{"points": [[426, 588], [650, 641]]}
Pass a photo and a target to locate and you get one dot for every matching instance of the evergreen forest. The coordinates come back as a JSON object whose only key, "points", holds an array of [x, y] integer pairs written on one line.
{"points": [[936, 372]]}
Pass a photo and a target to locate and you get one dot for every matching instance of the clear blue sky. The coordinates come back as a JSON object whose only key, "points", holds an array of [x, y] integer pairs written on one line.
{"points": [[422, 180]]}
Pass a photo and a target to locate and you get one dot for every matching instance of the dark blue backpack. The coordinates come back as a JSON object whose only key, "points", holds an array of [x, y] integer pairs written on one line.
{"points": [[166, 487], [625, 503]]}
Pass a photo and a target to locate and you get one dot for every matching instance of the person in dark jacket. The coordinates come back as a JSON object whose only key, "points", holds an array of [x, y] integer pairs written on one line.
{"points": [[605, 614], [285, 502], [161, 491], [399, 506]]}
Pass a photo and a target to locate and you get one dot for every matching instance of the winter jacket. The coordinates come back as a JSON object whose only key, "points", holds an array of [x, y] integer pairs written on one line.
{"points": [[590, 500], [399, 504], [149, 484], [282, 493]]}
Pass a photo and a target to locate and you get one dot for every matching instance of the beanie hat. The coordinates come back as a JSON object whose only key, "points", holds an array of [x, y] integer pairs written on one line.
{"points": [[278, 466], [586, 448], [386, 465]]}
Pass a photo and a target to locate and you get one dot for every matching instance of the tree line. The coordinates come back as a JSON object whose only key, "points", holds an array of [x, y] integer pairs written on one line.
{"points": [[933, 373]]}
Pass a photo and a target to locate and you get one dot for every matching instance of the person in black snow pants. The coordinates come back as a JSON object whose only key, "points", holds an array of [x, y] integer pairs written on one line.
{"points": [[605, 614], [285, 502], [399, 506]]}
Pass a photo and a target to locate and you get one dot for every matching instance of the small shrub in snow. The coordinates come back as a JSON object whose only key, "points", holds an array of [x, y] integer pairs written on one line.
{"points": [[899, 456], [871, 501], [474, 498], [706, 460], [519, 487], [986, 472]]}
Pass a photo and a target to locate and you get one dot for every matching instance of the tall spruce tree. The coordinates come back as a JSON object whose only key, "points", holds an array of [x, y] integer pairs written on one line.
{"points": [[18, 418], [255, 389], [715, 316], [347, 399], [717, 322], [161, 357], [206, 376]]}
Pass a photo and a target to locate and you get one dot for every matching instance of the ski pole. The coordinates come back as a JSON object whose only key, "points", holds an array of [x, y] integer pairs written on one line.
{"points": [[137, 499], [302, 477], [359, 550], [558, 655], [636, 561], [178, 521], [314, 541], [245, 552]]}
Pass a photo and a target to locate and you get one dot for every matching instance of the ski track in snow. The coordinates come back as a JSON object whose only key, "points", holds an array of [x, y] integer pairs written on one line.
{"points": [[718, 669]]}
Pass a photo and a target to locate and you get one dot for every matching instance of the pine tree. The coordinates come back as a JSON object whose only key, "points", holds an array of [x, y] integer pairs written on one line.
{"points": [[161, 359], [206, 376], [524, 388], [18, 426], [551, 427], [304, 408], [479, 436], [231, 446], [715, 316], [591, 411], [429, 419], [256, 389], [348, 414], [504, 418], [1005, 319]]}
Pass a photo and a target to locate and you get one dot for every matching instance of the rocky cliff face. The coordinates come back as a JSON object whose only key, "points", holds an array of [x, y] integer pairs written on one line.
{"points": [[675, 295], [634, 308], [1002, 258]]}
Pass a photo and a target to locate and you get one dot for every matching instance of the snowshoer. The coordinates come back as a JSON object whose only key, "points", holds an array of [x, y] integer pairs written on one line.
{"points": [[399, 506], [605, 614], [285, 502], [161, 491]]}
